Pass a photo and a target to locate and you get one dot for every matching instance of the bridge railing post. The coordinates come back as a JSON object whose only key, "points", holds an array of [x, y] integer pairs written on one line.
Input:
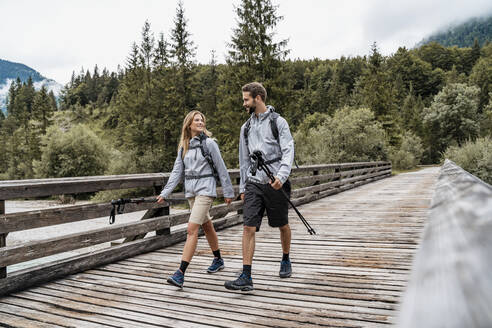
{"points": [[338, 170], [317, 182], [3, 240], [163, 211], [238, 182]]}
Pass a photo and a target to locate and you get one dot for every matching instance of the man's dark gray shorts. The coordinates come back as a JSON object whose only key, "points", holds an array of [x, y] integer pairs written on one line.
{"points": [[260, 197]]}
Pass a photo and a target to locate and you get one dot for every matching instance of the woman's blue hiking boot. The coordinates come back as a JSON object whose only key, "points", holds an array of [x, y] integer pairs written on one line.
{"points": [[177, 279]]}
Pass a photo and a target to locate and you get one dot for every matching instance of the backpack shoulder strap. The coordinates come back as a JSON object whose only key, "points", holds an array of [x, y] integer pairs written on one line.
{"points": [[246, 132], [273, 125], [203, 145], [206, 154]]}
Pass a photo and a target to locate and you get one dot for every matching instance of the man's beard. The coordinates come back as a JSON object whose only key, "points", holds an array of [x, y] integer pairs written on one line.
{"points": [[252, 108]]}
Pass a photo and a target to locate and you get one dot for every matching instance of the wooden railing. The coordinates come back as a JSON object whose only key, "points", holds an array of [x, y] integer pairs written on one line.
{"points": [[309, 183], [451, 279]]}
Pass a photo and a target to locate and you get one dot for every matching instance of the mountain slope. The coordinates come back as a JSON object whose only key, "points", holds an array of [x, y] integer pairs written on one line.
{"points": [[10, 71], [463, 35]]}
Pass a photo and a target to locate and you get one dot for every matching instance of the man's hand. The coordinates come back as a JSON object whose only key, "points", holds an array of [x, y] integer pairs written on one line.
{"points": [[160, 200], [242, 196], [276, 184], [228, 200]]}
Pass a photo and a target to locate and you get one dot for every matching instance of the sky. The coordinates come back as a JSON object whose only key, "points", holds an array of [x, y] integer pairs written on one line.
{"points": [[57, 37]]}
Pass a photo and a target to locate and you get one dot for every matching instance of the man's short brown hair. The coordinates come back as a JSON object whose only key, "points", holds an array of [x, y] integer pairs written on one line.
{"points": [[255, 89]]}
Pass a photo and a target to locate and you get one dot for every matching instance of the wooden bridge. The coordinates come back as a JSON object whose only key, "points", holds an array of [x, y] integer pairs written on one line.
{"points": [[353, 273]]}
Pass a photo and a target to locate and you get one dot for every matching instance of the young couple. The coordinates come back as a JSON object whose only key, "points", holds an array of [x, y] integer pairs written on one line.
{"points": [[199, 163]]}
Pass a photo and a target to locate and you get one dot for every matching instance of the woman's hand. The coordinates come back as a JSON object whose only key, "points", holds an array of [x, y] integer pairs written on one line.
{"points": [[160, 200], [228, 200]]}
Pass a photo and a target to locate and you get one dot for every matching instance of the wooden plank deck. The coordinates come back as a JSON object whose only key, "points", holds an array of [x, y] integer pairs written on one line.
{"points": [[351, 274]]}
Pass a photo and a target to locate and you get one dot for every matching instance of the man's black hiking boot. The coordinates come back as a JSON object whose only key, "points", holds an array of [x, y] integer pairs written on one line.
{"points": [[243, 283]]}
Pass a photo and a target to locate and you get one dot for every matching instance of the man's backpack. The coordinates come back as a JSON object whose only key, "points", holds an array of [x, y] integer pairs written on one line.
{"points": [[273, 125]]}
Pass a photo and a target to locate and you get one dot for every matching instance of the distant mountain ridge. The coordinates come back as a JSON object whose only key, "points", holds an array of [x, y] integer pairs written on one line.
{"points": [[10, 71], [463, 35]]}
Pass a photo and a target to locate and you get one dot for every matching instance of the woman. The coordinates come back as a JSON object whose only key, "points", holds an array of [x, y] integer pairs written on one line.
{"points": [[199, 163]]}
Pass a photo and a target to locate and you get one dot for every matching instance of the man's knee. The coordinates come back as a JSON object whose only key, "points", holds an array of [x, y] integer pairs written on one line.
{"points": [[285, 227], [249, 231]]}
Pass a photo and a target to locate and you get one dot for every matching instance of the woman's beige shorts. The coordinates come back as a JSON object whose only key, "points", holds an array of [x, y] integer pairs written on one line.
{"points": [[200, 206]]}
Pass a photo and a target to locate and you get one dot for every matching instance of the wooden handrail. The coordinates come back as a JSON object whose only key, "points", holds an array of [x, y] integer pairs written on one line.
{"points": [[11, 189], [450, 284]]}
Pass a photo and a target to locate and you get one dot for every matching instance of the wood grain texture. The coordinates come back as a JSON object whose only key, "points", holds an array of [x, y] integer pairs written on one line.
{"points": [[351, 274], [3, 241], [10, 189], [451, 282]]}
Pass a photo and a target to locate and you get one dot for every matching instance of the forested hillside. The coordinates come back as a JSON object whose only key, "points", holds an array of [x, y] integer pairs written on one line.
{"points": [[465, 34], [408, 107], [10, 70]]}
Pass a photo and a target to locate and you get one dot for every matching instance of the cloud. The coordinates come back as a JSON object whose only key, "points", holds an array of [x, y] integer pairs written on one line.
{"points": [[4, 90], [50, 85], [56, 37]]}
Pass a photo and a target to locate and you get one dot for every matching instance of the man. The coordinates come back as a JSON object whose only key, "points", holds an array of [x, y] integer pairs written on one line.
{"points": [[267, 132]]}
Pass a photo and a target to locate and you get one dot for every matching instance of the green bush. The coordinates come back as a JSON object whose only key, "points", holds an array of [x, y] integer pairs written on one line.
{"points": [[351, 135], [486, 120], [121, 163], [76, 152], [452, 117], [474, 157], [409, 154]]}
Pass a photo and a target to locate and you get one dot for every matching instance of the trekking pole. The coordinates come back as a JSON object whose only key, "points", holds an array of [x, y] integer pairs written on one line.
{"points": [[119, 205], [260, 164]]}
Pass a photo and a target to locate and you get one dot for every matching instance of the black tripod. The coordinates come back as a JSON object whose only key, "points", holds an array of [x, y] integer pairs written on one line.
{"points": [[119, 205], [259, 164]]}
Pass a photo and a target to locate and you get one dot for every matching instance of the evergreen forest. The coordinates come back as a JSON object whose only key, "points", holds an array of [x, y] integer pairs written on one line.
{"points": [[410, 107]]}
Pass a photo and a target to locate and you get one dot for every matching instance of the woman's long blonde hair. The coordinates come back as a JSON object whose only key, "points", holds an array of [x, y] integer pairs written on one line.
{"points": [[184, 141]]}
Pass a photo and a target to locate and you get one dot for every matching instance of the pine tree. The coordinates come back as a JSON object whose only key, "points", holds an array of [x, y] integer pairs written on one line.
{"points": [[147, 111], [475, 53], [378, 93], [132, 61], [161, 52], [182, 47], [4, 164], [253, 56], [252, 43], [183, 54], [209, 88], [11, 97], [147, 46], [43, 109]]}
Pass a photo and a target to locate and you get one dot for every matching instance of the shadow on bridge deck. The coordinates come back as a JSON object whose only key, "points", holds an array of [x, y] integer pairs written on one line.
{"points": [[351, 274]]}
